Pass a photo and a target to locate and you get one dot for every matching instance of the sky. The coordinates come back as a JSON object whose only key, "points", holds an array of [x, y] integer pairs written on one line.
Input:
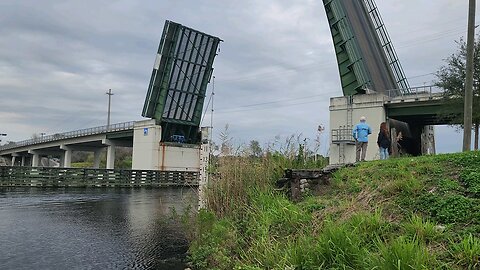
{"points": [[274, 74]]}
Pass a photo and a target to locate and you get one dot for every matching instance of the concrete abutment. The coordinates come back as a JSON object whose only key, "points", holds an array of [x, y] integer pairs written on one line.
{"points": [[415, 137]]}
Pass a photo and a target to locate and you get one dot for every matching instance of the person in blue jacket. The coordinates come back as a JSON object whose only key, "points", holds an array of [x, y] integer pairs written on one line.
{"points": [[360, 134]]}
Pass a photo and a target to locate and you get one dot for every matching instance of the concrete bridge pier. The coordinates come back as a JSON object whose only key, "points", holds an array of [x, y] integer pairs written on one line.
{"points": [[18, 159], [14, 158], [35, 157], [110, 164], [66, 157]]}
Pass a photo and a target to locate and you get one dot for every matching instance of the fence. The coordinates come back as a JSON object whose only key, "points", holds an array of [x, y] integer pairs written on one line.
{"points": [[16, 176], [428, 91]]}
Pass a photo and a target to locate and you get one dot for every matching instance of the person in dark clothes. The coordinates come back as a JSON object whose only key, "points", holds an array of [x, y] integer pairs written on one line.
{"points": [[383, 141]]}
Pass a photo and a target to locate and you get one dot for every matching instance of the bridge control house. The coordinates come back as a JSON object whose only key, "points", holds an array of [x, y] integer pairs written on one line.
{"points": [[374, 85]]}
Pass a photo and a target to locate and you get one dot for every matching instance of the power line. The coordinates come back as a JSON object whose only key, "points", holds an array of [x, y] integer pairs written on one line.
{"points": [[423, 75], [269, 108]]}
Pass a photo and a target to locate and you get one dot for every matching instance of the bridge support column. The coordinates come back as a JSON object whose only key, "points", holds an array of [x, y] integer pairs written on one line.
{"points": [[23, 161], [110, 157], [15, 157], [96, 159], [66, 157], [35, 158], [110, 153]]}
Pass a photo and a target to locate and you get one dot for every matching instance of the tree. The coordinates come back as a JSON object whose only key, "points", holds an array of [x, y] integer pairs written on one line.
{"points": [[451, 77], [255, 149]]}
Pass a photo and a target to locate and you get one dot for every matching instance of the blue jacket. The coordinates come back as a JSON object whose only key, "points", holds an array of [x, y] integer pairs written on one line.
{"points": [[361, 132]]}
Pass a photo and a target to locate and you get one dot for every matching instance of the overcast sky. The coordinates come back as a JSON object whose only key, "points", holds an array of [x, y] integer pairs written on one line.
{"points": [[275, 72]]}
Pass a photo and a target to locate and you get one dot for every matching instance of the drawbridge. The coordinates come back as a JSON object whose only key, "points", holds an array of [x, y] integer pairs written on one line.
{"points": [[374, 83], [182, 70]]}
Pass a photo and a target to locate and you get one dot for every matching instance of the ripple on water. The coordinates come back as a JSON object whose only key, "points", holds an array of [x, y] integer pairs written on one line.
{"points": [[92, 228]]}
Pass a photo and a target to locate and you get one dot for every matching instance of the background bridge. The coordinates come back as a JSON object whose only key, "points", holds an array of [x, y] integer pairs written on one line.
{"points": [[62, 145]]}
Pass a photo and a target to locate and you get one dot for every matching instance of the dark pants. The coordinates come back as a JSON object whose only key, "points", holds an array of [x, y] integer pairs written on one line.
{"points": [[361, 148]]}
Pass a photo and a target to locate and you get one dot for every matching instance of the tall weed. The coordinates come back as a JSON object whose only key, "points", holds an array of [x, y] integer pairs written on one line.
{"points": [[402, 253], [467, 252]]}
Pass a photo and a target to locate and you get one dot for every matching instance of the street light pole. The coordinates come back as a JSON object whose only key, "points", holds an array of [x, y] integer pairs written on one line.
{"points": [[467, 109], [110, 94]]}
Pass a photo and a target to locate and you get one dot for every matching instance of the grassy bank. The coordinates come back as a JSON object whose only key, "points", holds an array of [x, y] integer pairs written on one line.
{"points": [[405, 213]]}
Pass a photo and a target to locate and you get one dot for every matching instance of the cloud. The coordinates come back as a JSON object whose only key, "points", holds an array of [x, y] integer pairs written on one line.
{"points": [[59, 58]]}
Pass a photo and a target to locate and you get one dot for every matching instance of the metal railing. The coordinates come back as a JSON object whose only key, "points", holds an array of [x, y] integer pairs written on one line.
{"points": [[427, 91], [342, 135], [71, 134]]}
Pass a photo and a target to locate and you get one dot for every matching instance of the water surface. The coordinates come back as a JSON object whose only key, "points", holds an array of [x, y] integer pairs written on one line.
{"points": [[92, 228]]}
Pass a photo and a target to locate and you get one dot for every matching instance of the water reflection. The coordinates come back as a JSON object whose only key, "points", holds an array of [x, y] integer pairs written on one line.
{"points": [[92, 228]]}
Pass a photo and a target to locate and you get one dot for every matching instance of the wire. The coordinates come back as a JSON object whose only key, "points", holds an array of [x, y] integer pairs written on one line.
{"points": [[270, 108]]}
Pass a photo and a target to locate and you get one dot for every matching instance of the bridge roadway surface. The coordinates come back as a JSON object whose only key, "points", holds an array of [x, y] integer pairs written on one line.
{"points": [[371, 51], [63, 144], [420, 107]]}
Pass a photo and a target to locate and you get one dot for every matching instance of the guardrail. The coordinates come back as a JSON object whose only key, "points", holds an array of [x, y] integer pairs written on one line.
{"points": [[71, 134], [17, 176], [428, 91], [342, 135]]}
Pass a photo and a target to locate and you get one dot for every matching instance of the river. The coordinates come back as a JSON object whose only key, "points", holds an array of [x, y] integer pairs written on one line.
{"points": [[93, 228]]}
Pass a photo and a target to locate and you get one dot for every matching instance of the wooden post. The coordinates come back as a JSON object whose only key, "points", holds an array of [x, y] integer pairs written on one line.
{"points": [[393, 139]]}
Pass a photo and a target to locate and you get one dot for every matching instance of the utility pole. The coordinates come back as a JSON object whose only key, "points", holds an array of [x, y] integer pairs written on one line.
{"points": [[467, 110], [110, 94]]}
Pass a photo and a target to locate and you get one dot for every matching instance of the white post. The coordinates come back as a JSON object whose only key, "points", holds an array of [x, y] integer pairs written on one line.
{"points": [[203, 174]]}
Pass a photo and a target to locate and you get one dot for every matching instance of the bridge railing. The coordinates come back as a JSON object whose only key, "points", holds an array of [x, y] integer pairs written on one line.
{"points": [[342, 135], [72, 134], [427, 91]]}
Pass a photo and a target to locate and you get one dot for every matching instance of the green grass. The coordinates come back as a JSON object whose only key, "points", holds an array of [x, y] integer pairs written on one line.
{"points": [[404, 213]]}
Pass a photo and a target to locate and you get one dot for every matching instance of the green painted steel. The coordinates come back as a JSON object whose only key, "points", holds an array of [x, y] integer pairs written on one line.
{"points": [[419, 112], [346, 50], [178, 84], [365, 56]]}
